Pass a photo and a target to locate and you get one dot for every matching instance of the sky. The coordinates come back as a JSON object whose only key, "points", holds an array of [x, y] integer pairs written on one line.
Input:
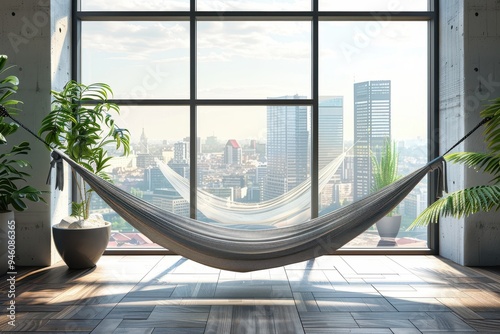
{"points": [[254, 60], [255, 5]]}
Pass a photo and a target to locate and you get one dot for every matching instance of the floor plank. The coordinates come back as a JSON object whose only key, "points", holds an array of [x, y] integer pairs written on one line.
{"points": [[332, 294], [441, 321]]}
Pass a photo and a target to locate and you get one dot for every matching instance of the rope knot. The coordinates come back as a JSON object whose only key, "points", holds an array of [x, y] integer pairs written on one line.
{"points": [[57, 162], [442, 182]]}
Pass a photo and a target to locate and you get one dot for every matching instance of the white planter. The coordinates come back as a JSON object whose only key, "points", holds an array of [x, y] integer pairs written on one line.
{"points": [[388, 229], [5, 218]]}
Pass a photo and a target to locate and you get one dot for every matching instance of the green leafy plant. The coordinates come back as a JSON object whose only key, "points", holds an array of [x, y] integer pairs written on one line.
{"points": [[81, 125], [385, 168], [8, 86], [12, 169], [465, 202]]}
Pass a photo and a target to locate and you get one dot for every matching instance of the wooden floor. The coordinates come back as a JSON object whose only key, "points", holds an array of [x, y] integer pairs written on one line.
{"points": [[333, 294]]}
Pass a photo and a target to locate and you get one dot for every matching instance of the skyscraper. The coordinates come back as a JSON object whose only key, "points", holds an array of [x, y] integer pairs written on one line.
{"points": [[372, 126], [331, 128], [154, 179], [143, 143], [331, 143], [180, 163], [232, 153], [287, 148], [181, 152], [144, 158]]}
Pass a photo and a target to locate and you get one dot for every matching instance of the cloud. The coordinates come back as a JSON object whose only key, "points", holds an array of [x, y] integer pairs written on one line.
{"points": [[137, 5], [254, 40], [136, 40], [253, 5]]}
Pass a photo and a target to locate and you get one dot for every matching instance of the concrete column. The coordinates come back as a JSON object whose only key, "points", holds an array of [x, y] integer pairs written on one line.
{"points": [[35, 35], [469, 78]]}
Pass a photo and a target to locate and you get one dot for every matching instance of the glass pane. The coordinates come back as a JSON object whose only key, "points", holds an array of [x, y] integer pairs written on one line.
{"points": [[139, 60], [251, 160], [331, 146], [138, 173], [238, 60], [374, 5], [135, 5], [382, 80], [254, 5]]}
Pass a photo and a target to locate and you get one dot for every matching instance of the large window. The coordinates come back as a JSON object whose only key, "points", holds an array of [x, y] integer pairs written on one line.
{"points": [[236, 106]]}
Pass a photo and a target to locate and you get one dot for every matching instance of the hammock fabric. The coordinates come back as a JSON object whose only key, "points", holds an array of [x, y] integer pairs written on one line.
{"points": [[243, 249], [287, 209]]}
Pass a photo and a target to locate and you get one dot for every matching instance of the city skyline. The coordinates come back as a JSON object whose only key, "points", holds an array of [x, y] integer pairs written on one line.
{"points": [[254, 60], [228, 168]]}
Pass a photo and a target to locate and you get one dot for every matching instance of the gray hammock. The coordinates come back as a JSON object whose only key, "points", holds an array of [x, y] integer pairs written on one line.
{"points": [[245, 249]]}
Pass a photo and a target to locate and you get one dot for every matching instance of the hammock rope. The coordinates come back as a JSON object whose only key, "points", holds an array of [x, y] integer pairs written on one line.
{"points": [[242, 248]]}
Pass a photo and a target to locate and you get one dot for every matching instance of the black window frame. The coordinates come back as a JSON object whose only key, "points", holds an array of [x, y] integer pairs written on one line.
{"points": [[315, 16]]}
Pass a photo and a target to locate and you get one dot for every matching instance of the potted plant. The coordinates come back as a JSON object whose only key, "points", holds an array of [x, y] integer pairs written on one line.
{"points": [[13, 190], [81, 125], [465, 202], [385, 172]]}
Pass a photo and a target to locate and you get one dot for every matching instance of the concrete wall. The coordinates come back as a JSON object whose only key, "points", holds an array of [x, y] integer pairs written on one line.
{"points": [[35, 34], [469, 78]]}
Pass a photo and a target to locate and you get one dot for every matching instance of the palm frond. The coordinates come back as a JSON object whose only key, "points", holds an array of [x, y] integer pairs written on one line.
{"points": [[487, 162], [492, 133], [461, 203]]}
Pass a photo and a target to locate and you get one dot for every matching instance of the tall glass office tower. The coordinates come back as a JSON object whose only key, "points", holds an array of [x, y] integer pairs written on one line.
{"points": [[331, 129], [372, 126], [287, 148], [330, 145]]}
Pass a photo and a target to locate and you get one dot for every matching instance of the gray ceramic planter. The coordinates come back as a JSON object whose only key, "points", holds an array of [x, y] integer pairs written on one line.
{"points": [[81, 248], [388, 229]]}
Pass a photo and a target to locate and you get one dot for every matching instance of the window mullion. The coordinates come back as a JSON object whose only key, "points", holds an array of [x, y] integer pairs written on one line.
{"points": [[193, 115], [314, 111]]}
